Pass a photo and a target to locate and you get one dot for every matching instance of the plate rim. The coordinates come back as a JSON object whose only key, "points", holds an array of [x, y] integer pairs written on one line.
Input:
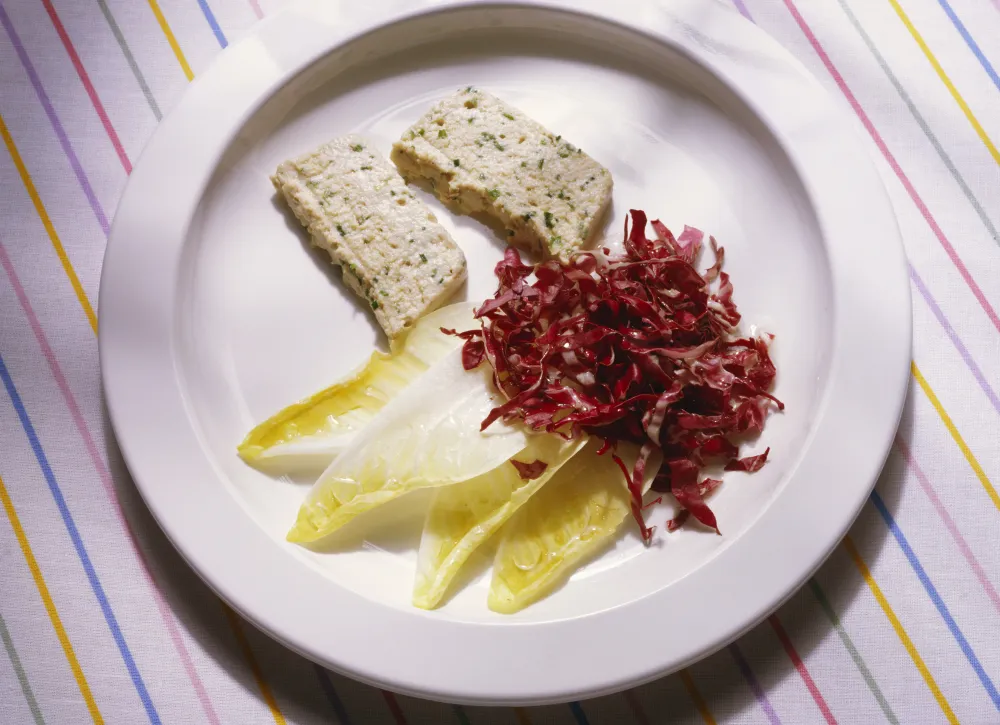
{"points": [[123, 382]]}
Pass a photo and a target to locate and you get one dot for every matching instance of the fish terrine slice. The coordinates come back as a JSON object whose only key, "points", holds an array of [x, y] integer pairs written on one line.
{"points": [[482, 155], [390, 246]]}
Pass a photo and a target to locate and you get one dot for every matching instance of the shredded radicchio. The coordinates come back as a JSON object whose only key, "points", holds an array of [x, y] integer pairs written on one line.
{"points": [[529, 471], [639, 348]]}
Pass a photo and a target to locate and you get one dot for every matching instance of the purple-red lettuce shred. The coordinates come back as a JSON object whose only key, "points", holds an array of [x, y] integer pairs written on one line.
{"points": [[639, 348], [529, 471]]}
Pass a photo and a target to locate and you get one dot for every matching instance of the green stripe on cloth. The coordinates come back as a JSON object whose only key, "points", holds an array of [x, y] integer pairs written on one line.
{"points": [[859, 662], [921, 121], [139, 77], [22, 678]]}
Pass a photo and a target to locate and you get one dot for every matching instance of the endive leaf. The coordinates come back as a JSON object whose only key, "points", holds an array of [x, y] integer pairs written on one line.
{"points": [[429, 435], [573, 515], [312, 432], [463, 516]]}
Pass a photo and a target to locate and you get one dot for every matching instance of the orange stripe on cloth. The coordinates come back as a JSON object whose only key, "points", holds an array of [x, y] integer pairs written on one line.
{"points": [[258, 676], [699, 701]]}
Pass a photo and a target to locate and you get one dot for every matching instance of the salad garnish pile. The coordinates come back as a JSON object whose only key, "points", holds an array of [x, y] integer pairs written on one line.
{"points": [[638, 348]]}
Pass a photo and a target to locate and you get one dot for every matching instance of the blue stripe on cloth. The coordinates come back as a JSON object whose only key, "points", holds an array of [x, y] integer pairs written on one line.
{"points": [[932, 592], [81, 551], [960, 27], [578, 713], [326, 684], [213, 23]]}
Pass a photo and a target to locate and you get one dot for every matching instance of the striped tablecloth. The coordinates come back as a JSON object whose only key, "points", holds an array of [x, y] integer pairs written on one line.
{"points": [[101, 621]]}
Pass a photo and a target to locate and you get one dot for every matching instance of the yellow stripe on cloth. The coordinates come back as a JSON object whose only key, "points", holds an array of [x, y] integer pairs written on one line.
{"points": [[522, 716], [946, 419], [699, 701], [900, 632], [946, 80], [244, 645], [174, 45], [50, 606], [47, 223]]}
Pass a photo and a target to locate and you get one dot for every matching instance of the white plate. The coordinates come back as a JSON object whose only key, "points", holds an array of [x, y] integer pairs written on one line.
{"points": [[214, 313]]}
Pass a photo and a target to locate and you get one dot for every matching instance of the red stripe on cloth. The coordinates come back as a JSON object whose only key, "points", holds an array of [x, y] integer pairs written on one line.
{"points": [[904, 180], [394, 708], [91, 91], [949, 524], [104, 474], [810, 684]]}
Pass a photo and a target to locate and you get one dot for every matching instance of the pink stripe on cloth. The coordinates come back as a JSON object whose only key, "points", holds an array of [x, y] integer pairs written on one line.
{"points": [[914, 276], [256, 9], [91, 91], [105, 476], [394, 708], [810, 684], [904, 180], [949, 523]]}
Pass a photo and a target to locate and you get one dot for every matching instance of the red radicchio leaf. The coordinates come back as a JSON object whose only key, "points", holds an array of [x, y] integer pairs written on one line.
{"points": [[654, 502], [473, 354], [690, 242], [638, 348], [678, 521], [635, 489], [708, 485], [719, 446], [749, 464], [529, 471], [689, 494]]}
